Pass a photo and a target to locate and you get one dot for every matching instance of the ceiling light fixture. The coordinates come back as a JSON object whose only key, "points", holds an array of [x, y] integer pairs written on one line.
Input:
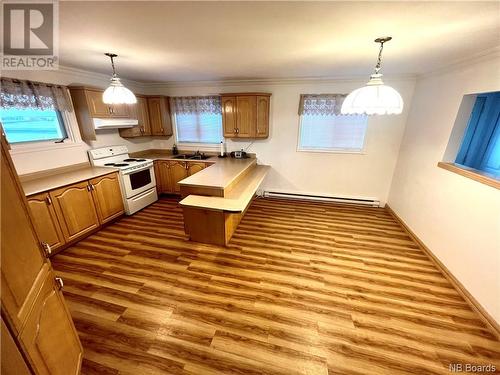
{"points": [[375, 98], [116, 93]]}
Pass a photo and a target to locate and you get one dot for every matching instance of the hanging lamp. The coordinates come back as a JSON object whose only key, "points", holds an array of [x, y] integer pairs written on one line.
{"points": [[375, 98], [116, 93]]}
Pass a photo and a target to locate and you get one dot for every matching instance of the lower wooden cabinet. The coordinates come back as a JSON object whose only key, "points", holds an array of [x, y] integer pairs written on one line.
{"points": [[75, 207], [107, 197], [12, 362], [72, 212], [49, 337], [170, 172], [45, 220]]}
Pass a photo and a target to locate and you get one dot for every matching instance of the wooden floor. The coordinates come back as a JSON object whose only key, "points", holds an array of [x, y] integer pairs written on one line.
{"points": [[302, 289]]}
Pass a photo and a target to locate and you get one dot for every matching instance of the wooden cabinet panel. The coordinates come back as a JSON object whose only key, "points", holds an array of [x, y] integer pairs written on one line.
{"points": [[107, 197], [95, 104], [164, 178], [159, 116], [262, 121], [49, 336], [141, 113], [45, 220], [22, 261], [122, 110], [194, 167], [75, 210], [246, 116], [12, 362], [229, 116], [178, 172]]}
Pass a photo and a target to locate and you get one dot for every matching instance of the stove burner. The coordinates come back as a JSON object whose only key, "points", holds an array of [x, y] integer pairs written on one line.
{"points": [[109, 164], [130, 160], [140, 159]]}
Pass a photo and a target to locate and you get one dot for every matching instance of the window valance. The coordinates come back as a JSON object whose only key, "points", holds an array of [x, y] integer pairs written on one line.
{"points": [[196, 104], [33, 95], [321, 104]]}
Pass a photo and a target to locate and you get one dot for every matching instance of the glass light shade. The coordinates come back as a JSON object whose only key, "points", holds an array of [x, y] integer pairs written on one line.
{"points": [[116, 93], [373, 99]]}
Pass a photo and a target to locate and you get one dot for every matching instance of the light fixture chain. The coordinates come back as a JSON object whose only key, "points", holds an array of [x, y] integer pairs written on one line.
{"points": [[379, 59]]}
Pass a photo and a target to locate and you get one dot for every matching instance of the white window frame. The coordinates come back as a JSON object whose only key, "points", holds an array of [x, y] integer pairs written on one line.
{"points": [[72, 130], [362, 151], [190, 146]]}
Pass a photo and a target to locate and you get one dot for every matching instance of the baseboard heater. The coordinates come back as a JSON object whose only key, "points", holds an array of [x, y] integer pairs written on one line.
{"points": [[323, 198]]}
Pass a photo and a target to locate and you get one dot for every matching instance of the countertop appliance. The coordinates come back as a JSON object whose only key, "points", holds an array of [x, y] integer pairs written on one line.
{"points": [[137, 176]]}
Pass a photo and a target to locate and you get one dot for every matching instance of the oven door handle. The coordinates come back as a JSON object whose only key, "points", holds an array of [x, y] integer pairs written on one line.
{"points": [[137, 170]]}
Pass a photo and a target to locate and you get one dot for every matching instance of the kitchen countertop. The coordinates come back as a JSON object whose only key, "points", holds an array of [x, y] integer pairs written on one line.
{"points": [[221, 174], [59, 178]]}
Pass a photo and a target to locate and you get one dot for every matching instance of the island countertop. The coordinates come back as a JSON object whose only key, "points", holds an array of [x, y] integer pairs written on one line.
{"points": [[219, 175]]}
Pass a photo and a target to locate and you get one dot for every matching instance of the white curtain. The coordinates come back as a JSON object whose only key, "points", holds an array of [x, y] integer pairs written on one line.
{"points": [[321, 104], [196, 104], [22, 94]]}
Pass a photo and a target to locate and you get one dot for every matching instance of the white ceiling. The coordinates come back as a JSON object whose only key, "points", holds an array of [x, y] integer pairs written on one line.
{"points": [[185, 41]]}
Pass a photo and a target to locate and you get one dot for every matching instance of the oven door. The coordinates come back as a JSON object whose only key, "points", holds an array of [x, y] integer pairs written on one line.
{"points": [[138, 180]]}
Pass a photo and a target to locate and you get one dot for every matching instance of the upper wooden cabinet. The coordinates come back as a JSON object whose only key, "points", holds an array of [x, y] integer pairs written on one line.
{"points": [[76, 210], [107, 197], [141, 112], [159, 115], [88, 104], [246, 115], [45, 220]]}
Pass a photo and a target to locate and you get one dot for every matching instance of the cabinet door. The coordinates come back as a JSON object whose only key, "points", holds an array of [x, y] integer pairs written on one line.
{"points": [[246, 119], [262, 126], [159, 116], [194, 167], [97, 107], [22, 262], [229, 116], [164, 177], [122, 110], [49, 337], [75, 210], [178, 172], [45, 220], [143, 115], [107, 197]]}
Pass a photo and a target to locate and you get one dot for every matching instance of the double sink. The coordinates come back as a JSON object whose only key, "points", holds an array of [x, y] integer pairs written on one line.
{"points": [[196, 156]]}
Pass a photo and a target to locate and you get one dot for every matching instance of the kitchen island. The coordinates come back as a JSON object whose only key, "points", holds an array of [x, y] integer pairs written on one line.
{"points": [[216, 198]]}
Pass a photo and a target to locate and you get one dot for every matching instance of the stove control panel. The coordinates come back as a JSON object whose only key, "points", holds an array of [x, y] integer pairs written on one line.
{"points": [[106, 152]]}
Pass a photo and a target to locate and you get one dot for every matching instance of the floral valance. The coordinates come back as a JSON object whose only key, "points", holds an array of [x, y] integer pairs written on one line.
{"points": [[321, 104], [196, 104], [33, 95]]}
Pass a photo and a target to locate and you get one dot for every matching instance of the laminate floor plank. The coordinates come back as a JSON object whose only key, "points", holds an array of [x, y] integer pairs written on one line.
{"points": [[302, 288]]}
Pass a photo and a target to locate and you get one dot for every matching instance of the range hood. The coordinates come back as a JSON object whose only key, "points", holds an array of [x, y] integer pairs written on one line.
{"points": [[114, 123]]}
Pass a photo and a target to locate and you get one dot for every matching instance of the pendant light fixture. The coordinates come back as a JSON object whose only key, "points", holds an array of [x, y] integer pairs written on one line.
{"points": [[375, 98], [116, 93]]}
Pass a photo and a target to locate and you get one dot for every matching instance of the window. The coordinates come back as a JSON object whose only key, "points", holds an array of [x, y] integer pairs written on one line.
{"points": [[202, 127], [30, 125], [332, 132], [480, 146]]}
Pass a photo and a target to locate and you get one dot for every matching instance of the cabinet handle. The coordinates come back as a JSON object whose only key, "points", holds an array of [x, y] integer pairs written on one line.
{"points": [[59, 282], [142, 129], [46, 249], [48, 200], [90, 187]]}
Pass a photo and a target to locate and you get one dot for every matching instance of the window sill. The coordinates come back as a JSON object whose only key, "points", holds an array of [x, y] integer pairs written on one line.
{"points": [[23, 148], [355, 152], [473, 174]]}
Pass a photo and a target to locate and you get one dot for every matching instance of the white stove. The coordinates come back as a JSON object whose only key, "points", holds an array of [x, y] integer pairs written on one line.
{"points": [[137, 177]]}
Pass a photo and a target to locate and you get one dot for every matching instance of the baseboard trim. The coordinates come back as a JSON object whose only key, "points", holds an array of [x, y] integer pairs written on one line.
{"points": [[476, 306]]}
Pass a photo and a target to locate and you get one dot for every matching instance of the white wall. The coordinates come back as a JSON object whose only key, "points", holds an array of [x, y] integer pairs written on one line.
{"points": [[456, 217], [351, 175], [365, 175]]}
